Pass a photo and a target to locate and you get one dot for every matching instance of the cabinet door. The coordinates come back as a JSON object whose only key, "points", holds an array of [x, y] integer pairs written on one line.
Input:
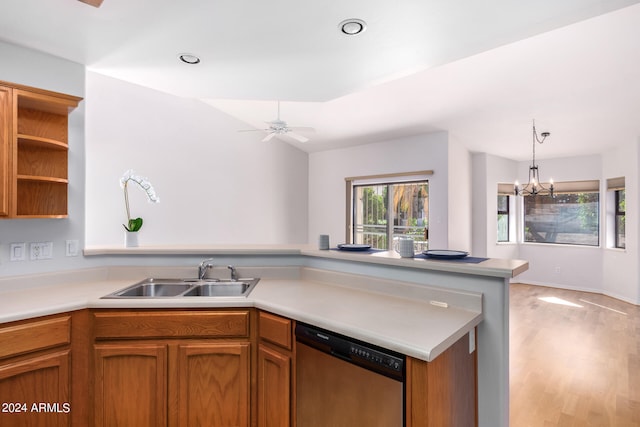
{"points": [[274, 388], [35, 391], [214, 384], [5, 135], [130, 385]]}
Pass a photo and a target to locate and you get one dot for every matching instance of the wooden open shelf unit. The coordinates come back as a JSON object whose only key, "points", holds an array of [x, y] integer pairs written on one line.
{"points": [[36, 175]]}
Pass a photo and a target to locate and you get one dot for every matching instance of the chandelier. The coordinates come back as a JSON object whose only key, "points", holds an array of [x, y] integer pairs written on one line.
{"points": [[534, 187]]}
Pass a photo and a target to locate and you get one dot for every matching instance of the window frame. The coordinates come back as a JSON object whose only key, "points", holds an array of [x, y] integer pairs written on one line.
{"points": [[612, 212], [617, 214], [508, 215], [562, 188], [382, 179]]}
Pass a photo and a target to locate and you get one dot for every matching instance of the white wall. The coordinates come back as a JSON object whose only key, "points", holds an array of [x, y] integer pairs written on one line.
{"points": [[621, 275], [216, 185], [480, 204], [459, 207], [35, 69], [328, 169], [488, 172], [571, 267]]}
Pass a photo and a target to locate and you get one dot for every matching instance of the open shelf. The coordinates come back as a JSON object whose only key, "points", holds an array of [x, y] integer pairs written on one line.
{"points": [[41, 199], [36, 161], [40, 142], [36, 178], [42, 124]]}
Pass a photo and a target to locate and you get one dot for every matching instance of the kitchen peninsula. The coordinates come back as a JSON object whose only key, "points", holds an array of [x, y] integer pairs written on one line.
{"points": [[414, 306]]}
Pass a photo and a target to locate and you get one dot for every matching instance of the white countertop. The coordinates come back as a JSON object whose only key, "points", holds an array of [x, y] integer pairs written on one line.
{"points": [[495, 267], [395, 315]]}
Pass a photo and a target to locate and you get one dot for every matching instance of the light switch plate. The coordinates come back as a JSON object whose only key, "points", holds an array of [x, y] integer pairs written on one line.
{"points": [[71, 248], [18, 251], [41, 250]]}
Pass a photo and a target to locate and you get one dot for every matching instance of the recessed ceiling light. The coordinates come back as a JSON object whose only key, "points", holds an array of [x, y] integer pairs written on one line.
{"points": [[352, 26], [189, 58]]}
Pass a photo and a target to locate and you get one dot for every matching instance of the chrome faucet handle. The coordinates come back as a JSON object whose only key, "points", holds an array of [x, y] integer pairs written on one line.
{"points": [[234, 273], [203, 267]]}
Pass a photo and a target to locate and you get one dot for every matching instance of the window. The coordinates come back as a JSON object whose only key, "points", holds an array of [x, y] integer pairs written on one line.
{"points": [[386, 207], [503, 218], [620, 218], [571, 217], [616, 208], [505, 213]]}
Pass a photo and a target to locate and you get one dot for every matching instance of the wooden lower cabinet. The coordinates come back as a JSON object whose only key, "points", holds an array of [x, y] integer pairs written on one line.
{"points": [[36, 391], [35, 372], [214, 384], [274, 388], [175, 368], [443, 392], [276, 385], [130, 384], [134, 383]]}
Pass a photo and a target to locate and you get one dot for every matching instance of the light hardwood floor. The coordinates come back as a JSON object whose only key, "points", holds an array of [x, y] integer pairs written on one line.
{"points": [[573, 365]]}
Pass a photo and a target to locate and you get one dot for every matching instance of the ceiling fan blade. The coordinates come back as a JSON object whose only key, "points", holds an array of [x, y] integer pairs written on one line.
{"points": [[95, 3], [268, 137], [297, 137], [252, 130], [302, 129]]}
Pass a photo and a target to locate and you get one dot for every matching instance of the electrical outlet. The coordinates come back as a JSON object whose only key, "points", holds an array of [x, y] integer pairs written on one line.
{"points": [[41, 250], [71, 248], [18, 251]]}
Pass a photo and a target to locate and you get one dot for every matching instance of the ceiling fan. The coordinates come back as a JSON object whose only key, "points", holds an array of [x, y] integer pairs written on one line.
{"points": [[95, 3], [280, 127]]}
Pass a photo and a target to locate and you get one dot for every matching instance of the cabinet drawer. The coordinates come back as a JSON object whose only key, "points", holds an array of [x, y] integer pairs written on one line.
{"points": [[275, 329], [34, 335], [171, 324]]}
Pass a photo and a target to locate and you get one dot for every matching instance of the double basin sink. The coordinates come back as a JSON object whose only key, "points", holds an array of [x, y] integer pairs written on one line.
{"points": [[172, 288]]}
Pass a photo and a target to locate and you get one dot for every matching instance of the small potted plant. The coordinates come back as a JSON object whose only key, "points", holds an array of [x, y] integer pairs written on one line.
{"points": [[135, 224]]}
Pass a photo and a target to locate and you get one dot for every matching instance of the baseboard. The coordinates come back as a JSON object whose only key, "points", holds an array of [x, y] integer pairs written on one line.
{"points": [[621, 298], [579, 289]]}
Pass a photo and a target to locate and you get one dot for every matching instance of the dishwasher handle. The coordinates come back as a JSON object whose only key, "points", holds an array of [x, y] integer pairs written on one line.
{"points": [[322, 340], [341, 356]]}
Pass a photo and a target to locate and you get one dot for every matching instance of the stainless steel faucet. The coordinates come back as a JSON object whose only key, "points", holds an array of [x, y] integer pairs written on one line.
{"points": [[203, 267], [234, 273]]}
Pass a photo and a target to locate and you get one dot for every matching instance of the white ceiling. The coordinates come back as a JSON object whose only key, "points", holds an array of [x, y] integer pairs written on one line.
{"points": [[480, 70]]}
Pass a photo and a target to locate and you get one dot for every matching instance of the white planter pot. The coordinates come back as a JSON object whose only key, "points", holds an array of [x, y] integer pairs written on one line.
{"points": [[130, 239]]}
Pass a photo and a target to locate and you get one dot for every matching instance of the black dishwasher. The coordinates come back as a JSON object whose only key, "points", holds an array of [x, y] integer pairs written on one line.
{"points": [[344, 382]]}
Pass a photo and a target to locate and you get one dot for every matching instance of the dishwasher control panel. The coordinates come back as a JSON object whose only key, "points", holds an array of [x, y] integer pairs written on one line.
{"points": [[377, 357], [368, 356]]}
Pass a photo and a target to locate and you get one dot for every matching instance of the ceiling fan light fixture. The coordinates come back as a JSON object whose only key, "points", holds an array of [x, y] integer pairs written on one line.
{"points": [[352, 26], [189, 58]]}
